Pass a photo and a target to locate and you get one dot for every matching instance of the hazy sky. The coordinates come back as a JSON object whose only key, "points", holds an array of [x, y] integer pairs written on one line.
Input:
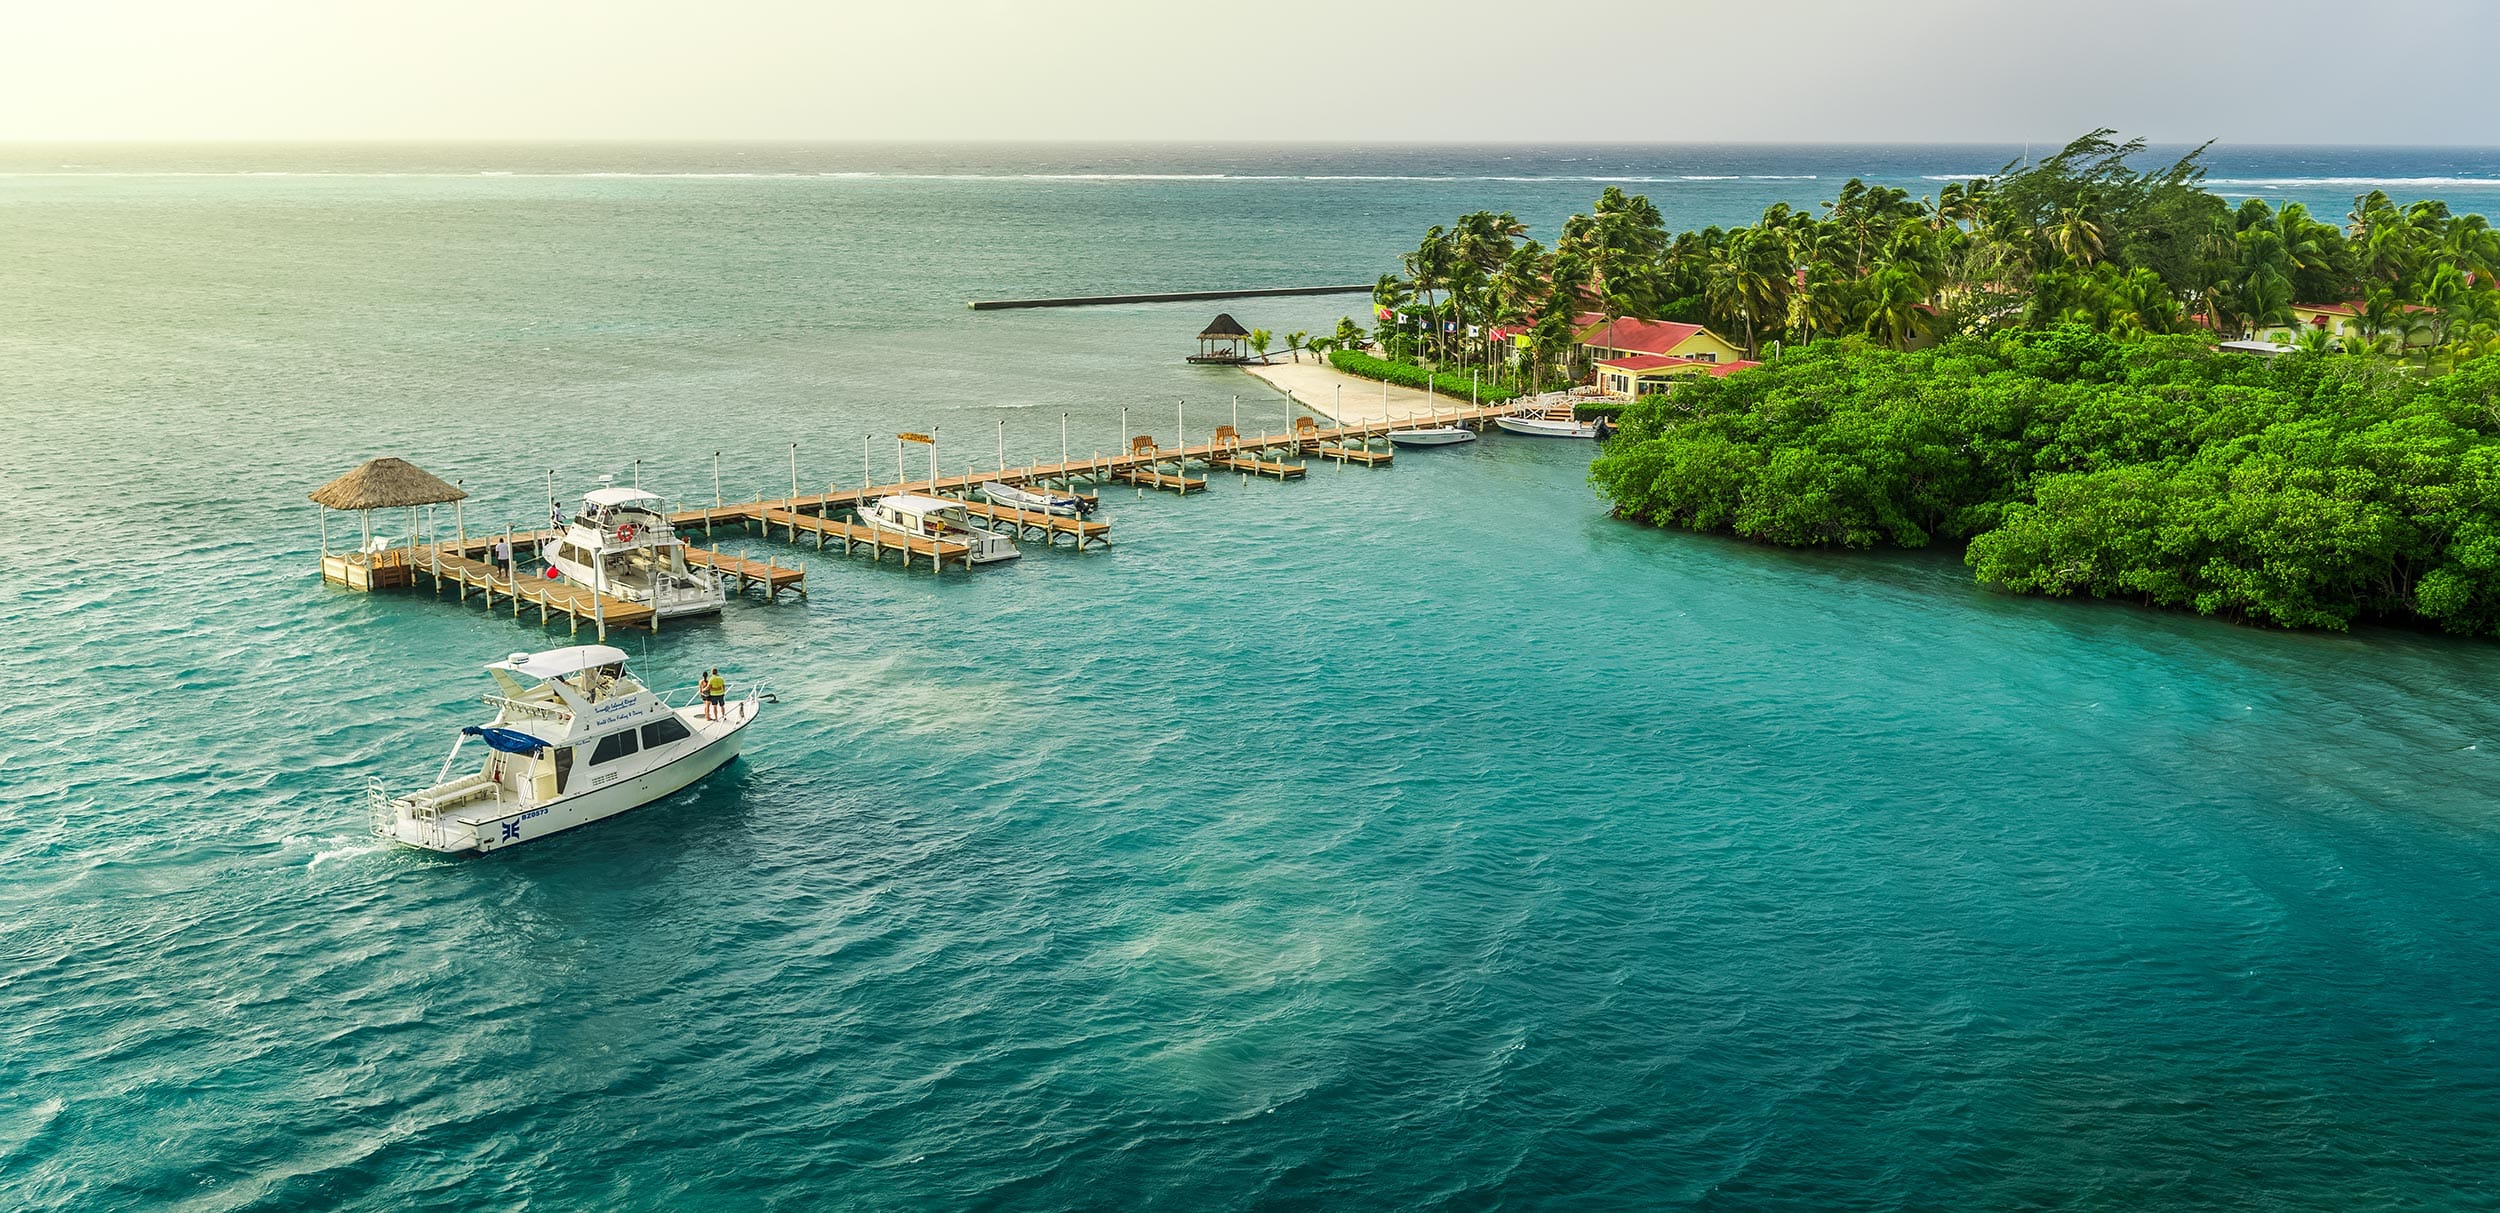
{"points": [[2283, 71]]}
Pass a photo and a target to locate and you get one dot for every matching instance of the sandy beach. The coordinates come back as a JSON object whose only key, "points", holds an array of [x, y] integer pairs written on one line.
{"points": [[1319, 387]]}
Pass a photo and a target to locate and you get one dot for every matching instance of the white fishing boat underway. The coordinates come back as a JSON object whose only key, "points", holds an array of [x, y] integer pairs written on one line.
{"points": [[1065, 505], [937, 518], [1431, 435], [574, 739], [620, 544]]}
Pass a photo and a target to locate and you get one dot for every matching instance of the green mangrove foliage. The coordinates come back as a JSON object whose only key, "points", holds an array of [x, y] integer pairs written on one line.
{"points": [[2310, 490]]}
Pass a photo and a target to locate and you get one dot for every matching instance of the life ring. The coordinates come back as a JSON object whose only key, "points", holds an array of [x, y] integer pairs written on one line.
{"points": [[625, 533]]}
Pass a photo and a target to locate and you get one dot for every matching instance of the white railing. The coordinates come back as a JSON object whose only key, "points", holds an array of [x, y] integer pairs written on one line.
{"points": [[532, 711]]}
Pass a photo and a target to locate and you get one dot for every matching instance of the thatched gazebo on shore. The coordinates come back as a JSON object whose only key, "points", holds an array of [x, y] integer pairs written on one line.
{"points": [[378, 484], [1223, 341]]}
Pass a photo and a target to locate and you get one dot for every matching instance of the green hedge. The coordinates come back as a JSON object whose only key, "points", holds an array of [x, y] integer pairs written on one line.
{"points": [[1407, 374]]}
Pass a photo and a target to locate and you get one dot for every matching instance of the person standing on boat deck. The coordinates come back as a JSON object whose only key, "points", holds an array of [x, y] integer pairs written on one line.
{"points": [[555, 515], [715, 694]]}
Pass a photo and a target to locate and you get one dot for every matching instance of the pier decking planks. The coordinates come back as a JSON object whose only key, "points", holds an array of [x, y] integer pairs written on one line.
{"points": [[855, 535], [744, 572], [552, 597], [1050, 525]]}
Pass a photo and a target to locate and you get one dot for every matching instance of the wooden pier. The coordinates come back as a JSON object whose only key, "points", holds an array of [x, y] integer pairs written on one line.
{"points": [[458, 564], [742, 573], [1353, 454], [1145, 463], [1048, 526], [855, 536], [1145, 477], [447, 567], [1251, 466]]}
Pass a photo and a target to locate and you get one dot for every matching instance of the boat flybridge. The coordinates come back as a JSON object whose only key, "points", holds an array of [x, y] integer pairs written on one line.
{"points": [[939, 518], [574, 739], [621, 544]]}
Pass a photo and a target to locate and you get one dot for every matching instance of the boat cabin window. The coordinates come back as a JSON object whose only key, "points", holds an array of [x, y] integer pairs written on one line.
{"points": [[614, 746], [663, 731], [564, 767]]}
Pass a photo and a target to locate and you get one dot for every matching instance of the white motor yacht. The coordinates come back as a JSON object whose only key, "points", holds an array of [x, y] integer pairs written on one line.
{"points": [[1065, 505], [574, 739], [621, 545], [1431, 435], [937, 518], [1548, 427]]}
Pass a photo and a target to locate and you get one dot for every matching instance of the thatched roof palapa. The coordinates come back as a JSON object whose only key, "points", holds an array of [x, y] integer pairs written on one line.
{"points": [[1224, 326], [384, 484]]}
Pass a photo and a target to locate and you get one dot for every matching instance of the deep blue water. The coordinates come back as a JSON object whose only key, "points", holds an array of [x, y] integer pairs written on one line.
{"points": [[1416, 837]]}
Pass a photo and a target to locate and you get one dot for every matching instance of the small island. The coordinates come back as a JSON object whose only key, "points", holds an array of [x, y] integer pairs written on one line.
{"points": [[2099, 379]]}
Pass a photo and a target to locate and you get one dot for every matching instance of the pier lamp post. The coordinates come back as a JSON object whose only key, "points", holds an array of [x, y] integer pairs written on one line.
{"points": [[716, 499]]}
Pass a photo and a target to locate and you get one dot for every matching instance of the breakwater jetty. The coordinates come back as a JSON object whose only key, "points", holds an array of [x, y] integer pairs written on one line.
{"points": [[994, 305]]}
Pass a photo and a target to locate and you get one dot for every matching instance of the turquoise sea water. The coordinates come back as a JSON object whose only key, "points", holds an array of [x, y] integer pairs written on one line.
{"points": [[1415, 837]]}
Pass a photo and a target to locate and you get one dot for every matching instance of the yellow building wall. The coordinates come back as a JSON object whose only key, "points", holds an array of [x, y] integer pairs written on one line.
{"points": [[1707, 344]]}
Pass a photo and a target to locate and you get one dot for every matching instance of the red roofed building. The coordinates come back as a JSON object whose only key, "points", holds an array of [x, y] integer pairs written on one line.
{"points": [[1649, 374], [1628, 336], [2334, 319]]}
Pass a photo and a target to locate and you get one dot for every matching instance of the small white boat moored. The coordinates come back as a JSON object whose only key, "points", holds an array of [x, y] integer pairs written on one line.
{"points": [[1434, 435], [921, 517], [1015, 497], [574, 739], [1548, 427]]}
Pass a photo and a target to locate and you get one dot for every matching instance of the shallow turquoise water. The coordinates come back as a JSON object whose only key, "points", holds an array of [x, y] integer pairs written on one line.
{"points": [[1411, 837]]}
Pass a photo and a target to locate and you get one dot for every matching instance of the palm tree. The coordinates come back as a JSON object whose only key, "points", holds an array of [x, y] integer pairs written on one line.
{"points": [[1258, 342], [1349, 334], [1295, 340], [1749, 280], [1892, 310], [2261, 289], [2076, 235], [1390, 297]]}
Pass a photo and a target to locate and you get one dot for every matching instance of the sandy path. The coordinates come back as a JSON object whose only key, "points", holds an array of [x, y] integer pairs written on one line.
{"points": [[1318, 387]]}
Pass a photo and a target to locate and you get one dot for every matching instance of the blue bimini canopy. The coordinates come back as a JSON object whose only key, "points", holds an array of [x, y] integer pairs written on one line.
{"points": [[507, 740]]}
